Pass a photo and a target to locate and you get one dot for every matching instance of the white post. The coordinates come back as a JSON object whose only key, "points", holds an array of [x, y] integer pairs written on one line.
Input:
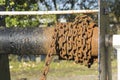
{"points": [[116, 44], [118, 62]]}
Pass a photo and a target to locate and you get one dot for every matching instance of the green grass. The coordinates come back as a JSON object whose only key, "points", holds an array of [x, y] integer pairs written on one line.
{"points": [[114, 66], [68, 67], [62, 68]]}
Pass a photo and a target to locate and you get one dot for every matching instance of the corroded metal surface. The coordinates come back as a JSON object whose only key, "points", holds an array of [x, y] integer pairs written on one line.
{"points": [[49, 56], [95, 42], [37, 40], [74, 41], [25, 40], [77, 41]]}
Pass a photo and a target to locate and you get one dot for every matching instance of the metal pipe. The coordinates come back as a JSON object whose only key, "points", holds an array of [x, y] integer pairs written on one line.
{"points": [[46, 12], [25, 40], [33, 40]]}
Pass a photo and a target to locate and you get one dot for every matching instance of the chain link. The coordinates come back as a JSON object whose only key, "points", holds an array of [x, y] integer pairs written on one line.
{"points": [[72, 41], [77, 40], [49, 56]]}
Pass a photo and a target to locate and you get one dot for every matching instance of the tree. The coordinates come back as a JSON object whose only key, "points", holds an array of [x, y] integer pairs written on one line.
{"points": [[68, 5], [35, 5], [115, 10], [114, 16], [21, 21]]}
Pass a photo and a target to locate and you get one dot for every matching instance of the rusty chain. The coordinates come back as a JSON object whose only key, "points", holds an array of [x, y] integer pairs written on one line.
{"points": [[49, 57], [72, 41]]}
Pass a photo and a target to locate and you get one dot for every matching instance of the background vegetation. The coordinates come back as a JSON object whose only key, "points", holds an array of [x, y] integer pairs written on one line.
{"points": [[45, 5]]}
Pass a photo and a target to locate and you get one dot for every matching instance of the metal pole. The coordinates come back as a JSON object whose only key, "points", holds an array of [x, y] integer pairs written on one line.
{"points": [[4, 61], [46, 12], [26, 40], [104, 56]]}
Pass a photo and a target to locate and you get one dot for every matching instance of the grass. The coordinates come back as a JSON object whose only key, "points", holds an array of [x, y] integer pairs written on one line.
{"points": [[68, 67], [114, 66], [62, 68]]}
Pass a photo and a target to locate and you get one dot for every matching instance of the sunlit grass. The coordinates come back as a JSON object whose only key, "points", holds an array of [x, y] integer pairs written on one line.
{"points": [[114, 66], [62, 68]]}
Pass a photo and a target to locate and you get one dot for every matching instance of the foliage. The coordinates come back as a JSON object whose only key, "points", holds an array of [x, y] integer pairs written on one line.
{"points": [[69, 4], [115, 10], [26, 20], [22, 21], [35, 5], [2, 2]]}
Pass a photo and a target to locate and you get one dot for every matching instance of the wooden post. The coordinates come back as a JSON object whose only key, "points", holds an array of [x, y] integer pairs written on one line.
{"points": [[4, 61], [104, 55], [108, 48]]}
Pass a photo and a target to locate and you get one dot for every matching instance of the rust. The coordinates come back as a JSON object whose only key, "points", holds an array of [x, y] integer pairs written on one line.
{"points": [[95, 42], [77, 41]]}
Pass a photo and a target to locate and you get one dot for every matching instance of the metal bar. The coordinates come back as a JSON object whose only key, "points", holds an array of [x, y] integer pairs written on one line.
{"points": [[46, 12], [35, 40], [25, 40]]}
